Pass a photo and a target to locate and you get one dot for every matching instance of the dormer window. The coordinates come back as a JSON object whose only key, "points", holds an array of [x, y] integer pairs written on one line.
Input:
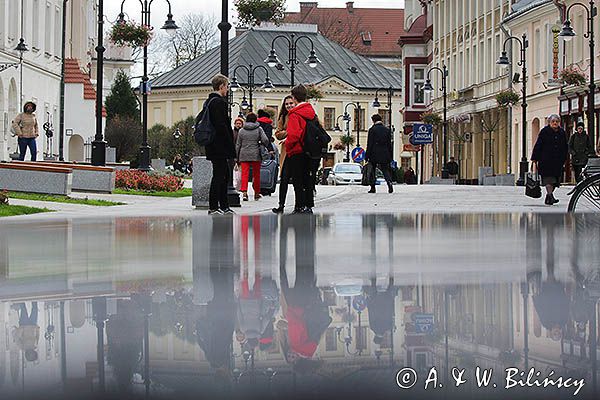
{"points": [[366, 38]]}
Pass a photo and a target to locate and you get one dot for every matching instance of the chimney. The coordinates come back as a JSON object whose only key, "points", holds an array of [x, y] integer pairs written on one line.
{"points": [[307, 6], [350, 6]]}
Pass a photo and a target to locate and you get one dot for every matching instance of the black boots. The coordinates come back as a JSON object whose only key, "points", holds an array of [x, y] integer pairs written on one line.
{"points": [[550, 200]]}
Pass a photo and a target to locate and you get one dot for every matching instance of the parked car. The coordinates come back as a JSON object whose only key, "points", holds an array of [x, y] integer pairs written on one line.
{"points": [[345, 173]]}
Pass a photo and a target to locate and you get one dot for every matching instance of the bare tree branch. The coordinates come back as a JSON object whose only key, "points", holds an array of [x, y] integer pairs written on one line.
{"points": [[344, 31]]}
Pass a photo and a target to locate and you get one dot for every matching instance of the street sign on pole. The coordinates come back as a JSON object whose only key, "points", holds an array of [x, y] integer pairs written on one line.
{"points": [[358, 154], [423, 323], [422, 134], [359, 303]]}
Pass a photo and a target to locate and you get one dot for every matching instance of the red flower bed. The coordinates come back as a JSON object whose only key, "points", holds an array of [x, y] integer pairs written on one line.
{"points": [[133, 179]]}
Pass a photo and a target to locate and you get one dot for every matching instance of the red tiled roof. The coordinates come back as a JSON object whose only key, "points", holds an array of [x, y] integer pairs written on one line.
{"points": [[386, 25], [74, 74]]}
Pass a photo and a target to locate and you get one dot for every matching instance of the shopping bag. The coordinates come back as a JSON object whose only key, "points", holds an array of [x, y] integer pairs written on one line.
{"points": [[368, 177], [532, 186], [237, 177]]}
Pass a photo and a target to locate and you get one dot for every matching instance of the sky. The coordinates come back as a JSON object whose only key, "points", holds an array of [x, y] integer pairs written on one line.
{"points": [[212, 7]]}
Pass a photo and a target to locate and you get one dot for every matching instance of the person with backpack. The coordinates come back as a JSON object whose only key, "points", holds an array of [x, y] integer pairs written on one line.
{"points": [[213, 131], [247, 149], [379, 150], [306, 141]]}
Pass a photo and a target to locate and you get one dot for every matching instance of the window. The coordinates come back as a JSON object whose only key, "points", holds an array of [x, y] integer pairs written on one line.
{"points": [[329, 118], [35, 39], [330, 340], [405, 162], [359, 120], [366, 38], [47, 28], [57, 33], [418, 80], [385, 116], [538, 51]]}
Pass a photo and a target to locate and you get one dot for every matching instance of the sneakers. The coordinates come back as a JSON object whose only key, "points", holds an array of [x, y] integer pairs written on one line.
{"points": [[215, 212], [245, 196], [307, 210], [228, 211], [257, 197], [297, 211], [278, 210]]}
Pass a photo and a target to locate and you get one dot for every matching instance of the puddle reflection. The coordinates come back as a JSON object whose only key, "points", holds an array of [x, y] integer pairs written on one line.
{"points": [[298, 306]]}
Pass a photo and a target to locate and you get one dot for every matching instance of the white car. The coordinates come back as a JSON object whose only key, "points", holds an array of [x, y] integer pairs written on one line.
{"points": [[345, 173]]}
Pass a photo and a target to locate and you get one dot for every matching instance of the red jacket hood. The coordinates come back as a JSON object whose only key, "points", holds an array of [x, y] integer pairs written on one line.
{"points": [[265, 120], [305, 110]]}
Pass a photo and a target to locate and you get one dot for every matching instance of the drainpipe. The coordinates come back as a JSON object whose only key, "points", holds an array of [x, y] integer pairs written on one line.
{"points": [[61, 125], [510, 112]]}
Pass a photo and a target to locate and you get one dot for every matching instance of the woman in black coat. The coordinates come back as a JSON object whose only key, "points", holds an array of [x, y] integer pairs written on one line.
{"points": [[549, 155]]}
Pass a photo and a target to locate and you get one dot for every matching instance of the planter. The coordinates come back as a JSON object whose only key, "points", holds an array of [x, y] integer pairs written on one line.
{"points": [[130, 34]]}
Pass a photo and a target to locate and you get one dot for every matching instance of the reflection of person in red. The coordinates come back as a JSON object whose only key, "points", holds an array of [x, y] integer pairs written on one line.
{"points": [[306, 315], [257, 298]]}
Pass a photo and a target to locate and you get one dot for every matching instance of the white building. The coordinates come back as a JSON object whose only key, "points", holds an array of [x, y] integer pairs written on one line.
{"points": [[42, 32]]}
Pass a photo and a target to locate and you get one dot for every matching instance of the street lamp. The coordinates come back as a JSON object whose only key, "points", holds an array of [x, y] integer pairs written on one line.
{"points": [[347, 118], [170, 27], [429, 88], [504, 62], [389, 92], [273, 61], [567, 33], [251, 85]]}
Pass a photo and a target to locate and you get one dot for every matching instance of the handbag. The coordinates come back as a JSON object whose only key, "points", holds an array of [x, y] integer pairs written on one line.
{"points": [[237, 177], [532, 186], [368, 177]]}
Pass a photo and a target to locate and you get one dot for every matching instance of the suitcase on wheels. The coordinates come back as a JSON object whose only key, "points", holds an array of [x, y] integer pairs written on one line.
{"points": [[269, 170]]}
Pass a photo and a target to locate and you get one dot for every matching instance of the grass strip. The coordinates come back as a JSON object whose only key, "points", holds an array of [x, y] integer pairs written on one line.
{"points": [[11, 210]]}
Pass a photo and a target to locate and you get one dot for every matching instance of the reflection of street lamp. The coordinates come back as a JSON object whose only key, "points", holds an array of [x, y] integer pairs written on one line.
{"points": [[429, 88], [170, 27], [389, 93], [567, 34], [503, 61], [100, 317], [273, 61]]}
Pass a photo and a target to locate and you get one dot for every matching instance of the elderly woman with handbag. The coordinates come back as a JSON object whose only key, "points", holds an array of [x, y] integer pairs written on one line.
{"points": [[549, 156]]}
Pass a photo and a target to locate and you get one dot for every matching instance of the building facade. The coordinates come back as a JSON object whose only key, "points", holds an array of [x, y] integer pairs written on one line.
{"points": [[370, 32]]}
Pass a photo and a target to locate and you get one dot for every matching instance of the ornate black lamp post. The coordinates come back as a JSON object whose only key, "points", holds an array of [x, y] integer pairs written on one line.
{"points": [[567, 33], [99, 145], [428, 88], [170, 27], [273, 61], [251, 85], [346, 117], [503, 61], [389, 93]]}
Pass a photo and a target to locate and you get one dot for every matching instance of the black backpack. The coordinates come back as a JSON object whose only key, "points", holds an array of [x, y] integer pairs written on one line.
{"points": [[316, 139], [204, 130]]}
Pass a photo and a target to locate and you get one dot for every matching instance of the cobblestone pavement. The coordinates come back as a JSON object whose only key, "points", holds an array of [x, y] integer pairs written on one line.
{"points": [[330, 199]]}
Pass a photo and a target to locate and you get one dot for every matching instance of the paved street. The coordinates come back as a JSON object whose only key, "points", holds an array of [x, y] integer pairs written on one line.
{"points": [[330, 199]]}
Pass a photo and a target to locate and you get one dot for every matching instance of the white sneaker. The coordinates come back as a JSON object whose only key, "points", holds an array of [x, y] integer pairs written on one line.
{"points": [[215, 212]]}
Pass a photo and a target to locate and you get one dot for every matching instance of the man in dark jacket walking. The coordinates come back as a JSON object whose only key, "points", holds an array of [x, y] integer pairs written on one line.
{"points": [[379, 150], [549, 155], [580, 148], [222, 148]]}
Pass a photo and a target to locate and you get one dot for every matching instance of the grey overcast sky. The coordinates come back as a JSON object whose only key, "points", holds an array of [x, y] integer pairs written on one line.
{"points": [[213, 7]]}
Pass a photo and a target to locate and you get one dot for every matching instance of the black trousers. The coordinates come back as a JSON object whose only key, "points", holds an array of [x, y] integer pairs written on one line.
{"points": [[386, 169], [217, 197], [577, 171], [300, 170], [284, 182]]}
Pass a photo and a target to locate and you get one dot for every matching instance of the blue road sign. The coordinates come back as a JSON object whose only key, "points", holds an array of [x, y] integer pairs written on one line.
{"points": [[359, 303], [423, 323], [422, 134], [358, 154]]}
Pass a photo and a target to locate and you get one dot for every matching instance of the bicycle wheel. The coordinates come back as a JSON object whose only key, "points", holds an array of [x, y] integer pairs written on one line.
{"points": [[586, 197]]}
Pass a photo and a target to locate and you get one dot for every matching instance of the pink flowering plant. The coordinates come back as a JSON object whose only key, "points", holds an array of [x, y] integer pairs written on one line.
{"points": [[129, 33], [132, 179], [573, 76]]}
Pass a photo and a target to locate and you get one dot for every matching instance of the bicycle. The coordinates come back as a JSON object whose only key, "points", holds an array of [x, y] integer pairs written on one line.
{"points": [[585, 197]]}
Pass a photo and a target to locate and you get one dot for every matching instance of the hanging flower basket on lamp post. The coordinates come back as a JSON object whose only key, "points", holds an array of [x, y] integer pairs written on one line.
{"points": [[507, 97], [253, 12], [432, 118], [573, 76], [130, 34]]}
